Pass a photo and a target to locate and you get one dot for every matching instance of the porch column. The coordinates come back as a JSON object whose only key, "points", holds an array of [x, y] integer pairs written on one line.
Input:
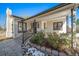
{"points": [[22, 34], [67, 24], [73, 29]]}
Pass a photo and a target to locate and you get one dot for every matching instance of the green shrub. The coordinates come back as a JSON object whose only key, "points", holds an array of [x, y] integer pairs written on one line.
{"points": [[53, 40], [65, 40], [57, 41], [38, 38]]}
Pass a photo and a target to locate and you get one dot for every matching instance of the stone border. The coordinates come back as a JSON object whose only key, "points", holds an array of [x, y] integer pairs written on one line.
{"points": [[47, 50]]}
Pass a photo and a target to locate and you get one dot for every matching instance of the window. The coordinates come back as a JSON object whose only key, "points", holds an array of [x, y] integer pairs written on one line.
{"points": [[57, 25], [22, 27]]}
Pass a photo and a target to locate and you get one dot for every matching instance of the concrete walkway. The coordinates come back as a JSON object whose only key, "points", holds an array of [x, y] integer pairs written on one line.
{"points": [[10, 47]]}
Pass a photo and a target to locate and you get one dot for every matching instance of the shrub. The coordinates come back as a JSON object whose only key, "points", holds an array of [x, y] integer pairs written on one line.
{"points": [[65, 40], [38, 38], [53, 40], [59, 42]]}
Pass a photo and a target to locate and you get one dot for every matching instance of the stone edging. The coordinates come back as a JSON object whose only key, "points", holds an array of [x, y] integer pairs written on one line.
{"points": [[47, 50]]}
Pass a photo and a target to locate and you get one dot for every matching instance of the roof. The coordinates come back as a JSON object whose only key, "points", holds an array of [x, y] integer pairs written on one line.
{"points": [[51, 9], [18, 17]]}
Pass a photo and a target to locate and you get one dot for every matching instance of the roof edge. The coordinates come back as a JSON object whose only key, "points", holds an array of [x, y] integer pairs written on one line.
{"points": [[17, 17], [50, 9]]}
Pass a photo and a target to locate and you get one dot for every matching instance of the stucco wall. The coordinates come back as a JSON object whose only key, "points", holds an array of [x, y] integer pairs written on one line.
{"points": [[15, 28], [9, 26], [49, 25]]}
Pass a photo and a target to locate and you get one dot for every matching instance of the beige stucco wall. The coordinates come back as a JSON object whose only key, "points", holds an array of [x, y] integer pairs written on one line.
{"points": [[49, 25], [15, 28], [9, 26], [29, 26]]}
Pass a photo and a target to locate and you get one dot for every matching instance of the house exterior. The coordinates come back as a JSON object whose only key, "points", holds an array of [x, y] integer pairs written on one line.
{"points": [[49, 21], [52, 20]]}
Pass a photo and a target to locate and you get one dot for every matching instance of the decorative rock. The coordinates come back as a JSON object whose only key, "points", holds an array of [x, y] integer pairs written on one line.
{"points": [[35, 52], [54, 52], [38, 53], [48, 50], [43, 48], [31, 50], [38, 47], [62, 54]]}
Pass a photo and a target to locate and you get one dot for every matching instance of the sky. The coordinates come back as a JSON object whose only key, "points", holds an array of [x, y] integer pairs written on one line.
{"points": [[23, 9]]}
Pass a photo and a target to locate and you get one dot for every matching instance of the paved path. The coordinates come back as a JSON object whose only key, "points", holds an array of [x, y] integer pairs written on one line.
{"points": [[10, 47]]}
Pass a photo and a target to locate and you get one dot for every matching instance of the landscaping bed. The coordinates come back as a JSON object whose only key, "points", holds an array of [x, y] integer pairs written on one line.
{"points": [[54, 41], [37, 50]]}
